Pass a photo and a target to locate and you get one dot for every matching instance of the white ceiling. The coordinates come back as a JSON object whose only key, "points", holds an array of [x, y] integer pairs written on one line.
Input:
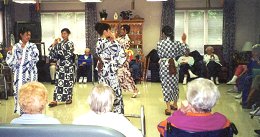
{"points": [[77, 1], [59, 1]]}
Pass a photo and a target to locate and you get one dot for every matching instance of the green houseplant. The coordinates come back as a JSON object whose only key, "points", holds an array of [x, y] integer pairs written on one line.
{"points": [[126, 14], [103, 14]]}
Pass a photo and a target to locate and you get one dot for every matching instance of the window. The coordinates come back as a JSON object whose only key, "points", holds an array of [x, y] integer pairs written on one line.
{"points": [[54, 22], [201, 26]]}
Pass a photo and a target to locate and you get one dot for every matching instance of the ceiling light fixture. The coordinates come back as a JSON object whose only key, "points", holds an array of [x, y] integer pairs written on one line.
{"points": [[24, 1], [156, 0], [90, 0]]}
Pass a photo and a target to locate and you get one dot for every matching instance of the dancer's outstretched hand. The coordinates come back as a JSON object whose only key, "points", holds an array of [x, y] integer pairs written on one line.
{"points": [[183, 38]]}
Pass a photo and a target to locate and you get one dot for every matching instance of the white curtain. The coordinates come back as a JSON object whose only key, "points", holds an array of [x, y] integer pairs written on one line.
{"points": [[201, 26], [54, 22]]}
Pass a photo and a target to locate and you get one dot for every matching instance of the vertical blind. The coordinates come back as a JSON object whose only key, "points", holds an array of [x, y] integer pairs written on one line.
{"points": [[201, 26], [54, 22]]}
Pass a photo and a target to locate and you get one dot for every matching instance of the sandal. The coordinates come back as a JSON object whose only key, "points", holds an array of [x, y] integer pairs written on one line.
{"points": [[167, 112], [173, 107], [53, 104], [68, 102]]}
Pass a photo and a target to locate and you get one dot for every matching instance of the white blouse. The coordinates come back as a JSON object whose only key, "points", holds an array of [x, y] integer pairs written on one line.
{"points": [[112, 120], [207, 58]]}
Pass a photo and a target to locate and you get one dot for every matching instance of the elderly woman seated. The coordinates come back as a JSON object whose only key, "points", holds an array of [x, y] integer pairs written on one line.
{"points": [[101, 101], [84, 63], [195, 114], [213, 64], [186, 63], [33, 99], [245, 81]]}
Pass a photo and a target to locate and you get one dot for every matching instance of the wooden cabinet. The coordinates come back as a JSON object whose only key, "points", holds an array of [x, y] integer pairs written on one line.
{"points": [[136, 30]]}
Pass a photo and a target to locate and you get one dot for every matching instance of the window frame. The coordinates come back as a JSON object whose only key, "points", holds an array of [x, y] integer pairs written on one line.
{"points": [[206, 24], [75, 38]]}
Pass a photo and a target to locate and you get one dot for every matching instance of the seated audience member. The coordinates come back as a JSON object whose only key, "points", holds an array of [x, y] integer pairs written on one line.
{"points": [[240, 70], [199, 67], [186, 63], [84, 63], [245, 81], [53, 66], [101, 101], [136, 68], [213, 64], [254, 94], [33, 97], [53, 70], [195, 114]]}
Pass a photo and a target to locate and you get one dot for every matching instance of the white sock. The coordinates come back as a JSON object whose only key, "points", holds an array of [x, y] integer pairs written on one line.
{"points": [[212, 79], [52, 71], [217, 82], [184, 80], [233, 80], [192, 75]]}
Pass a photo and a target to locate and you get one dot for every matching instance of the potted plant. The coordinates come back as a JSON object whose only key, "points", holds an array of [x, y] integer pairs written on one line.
{"points": [[103, 14], [126, 14]]}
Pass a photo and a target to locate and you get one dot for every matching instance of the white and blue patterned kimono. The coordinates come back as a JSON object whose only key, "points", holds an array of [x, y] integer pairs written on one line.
{"points": [[112, 56], [22, 61], [124, 75], [64, 77], [169, 49]]}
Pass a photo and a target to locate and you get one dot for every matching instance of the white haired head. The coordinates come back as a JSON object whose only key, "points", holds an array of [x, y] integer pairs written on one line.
{"points": [[202, 94], [101, 99], [209, 50], [256, 51]]}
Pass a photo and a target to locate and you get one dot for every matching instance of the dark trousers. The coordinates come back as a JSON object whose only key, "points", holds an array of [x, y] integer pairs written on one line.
{"points": [[244, 85], [184, 68], [213, 69], [84, 70]]}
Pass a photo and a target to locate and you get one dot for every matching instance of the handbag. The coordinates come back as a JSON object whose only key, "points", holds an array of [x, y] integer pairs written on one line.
{"points": [[172, 67]]}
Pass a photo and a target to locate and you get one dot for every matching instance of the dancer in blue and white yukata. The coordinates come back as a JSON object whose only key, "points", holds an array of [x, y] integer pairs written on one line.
{"points": [[22, 59], [111, 56], [64, 79]]}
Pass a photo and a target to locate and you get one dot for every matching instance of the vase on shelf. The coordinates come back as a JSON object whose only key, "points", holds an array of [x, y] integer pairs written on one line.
{"points": [[115, 16]]}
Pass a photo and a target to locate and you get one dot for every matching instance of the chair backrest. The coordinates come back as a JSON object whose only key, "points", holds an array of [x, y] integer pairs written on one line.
{"points": [[9, 130], [218, 50], [176, 132], [255, 71]]}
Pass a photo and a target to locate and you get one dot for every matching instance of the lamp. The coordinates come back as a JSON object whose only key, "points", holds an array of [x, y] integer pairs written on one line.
{"points": [[24, 1], [256, 45], [247, 46], [90, 0]]}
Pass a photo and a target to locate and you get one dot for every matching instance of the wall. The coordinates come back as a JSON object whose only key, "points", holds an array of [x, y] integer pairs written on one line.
{"points": [[151, 30], [191, 4], [63, 6], [21, 12], [247, 29], [150, 11], [247, 19]]}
